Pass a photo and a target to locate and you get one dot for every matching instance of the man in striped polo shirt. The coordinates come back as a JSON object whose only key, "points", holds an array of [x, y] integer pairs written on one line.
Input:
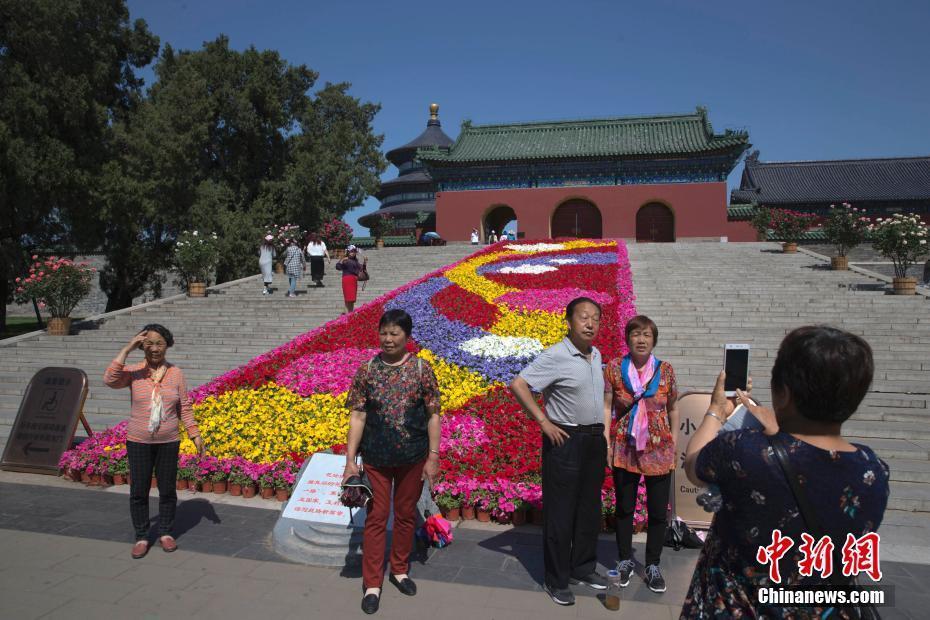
{"points": [[574, 452]]}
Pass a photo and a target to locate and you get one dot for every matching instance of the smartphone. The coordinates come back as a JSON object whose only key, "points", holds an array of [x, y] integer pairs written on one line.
{"points": [[736, 365]]}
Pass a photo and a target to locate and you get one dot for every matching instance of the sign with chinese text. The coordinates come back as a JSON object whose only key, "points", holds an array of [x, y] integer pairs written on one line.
{"points": [[316, 494], [46, 421], [691, 409]]}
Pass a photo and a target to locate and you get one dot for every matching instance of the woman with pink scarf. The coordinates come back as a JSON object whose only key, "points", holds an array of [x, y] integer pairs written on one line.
{"points": [[642, 392]]}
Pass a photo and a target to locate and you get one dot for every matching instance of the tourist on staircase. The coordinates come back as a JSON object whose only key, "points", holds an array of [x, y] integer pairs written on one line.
{"points": [[159, 400], [642, 391], [317, 251], [266, 257], [351, 267], [574, 450], [294, 266], [795, 477], [395, 426]]}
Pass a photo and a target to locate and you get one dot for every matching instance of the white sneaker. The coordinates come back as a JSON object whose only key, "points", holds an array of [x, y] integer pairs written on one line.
{"points": [[264, 291]]}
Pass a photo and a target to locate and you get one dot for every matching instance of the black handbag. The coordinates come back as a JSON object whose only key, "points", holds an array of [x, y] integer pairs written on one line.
{"points": [[356, 492], [679, 536], [865, 611]]}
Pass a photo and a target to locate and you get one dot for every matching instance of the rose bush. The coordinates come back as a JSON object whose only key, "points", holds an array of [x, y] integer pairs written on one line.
{"points": [[57, 285]]}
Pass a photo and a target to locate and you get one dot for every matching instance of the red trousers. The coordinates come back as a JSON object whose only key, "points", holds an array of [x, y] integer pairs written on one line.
{"points": [[407, 486]]}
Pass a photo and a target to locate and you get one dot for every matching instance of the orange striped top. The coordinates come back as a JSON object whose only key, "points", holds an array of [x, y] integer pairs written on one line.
{"points": [[176, 404]]}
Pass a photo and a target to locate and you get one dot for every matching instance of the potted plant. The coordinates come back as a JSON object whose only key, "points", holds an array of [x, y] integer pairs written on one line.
{"points": [[449, 501], [903, 239], [382, 225], [845, 228], [220, 476], [238, 477], [336, 234], [195, 257], [789, 226], [119, 469], [187, 472], [266, 483], [57, 285], [206, 467], [761, 221], [283, 481]]}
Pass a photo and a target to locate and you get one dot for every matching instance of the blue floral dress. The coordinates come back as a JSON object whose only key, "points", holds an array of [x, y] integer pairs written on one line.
{"points": [[848, 491]]}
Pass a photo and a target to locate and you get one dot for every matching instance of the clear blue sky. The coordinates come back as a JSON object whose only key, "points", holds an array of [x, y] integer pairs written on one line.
{"points": [[809, 80]]}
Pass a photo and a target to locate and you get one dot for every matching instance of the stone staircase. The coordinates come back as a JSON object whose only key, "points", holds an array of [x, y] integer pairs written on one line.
{"points": [[230, 326], [705, 295]]}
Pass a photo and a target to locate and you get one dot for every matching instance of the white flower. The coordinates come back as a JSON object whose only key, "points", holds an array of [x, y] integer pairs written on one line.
{"points": [[194, 233], [528, 269], [563, 261], [535, 247], [496, 346]]}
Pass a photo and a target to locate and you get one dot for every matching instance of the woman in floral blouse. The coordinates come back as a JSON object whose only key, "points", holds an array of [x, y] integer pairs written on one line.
{"points": [[642, 391], [394, 425], [820, 376]]}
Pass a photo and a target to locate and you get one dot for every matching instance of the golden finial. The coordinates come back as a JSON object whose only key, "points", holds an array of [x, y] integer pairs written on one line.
{"points": [[434, 111]]}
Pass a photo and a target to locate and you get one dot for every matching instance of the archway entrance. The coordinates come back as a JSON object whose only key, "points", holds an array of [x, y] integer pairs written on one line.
{"points": [[499, 219], [577, 218], [655, 223]]}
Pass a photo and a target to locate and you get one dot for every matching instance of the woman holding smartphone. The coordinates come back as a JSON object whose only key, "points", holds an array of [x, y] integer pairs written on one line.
{"points": [[642, 391]]}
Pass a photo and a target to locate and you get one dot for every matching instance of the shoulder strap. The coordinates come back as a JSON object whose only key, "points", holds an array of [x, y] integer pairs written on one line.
{"points": [[810, 518]]}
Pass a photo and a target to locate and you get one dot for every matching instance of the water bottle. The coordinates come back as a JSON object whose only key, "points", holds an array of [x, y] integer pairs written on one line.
{"points": [[612, 598]]}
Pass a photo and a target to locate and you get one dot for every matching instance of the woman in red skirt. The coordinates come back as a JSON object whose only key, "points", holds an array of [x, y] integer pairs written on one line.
{"points": [[350, 268]]}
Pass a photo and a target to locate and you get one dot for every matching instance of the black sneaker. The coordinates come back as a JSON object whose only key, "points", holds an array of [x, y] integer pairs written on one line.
{"points": [[561, 597], [625, 568], [592, 580], [654, 578]]}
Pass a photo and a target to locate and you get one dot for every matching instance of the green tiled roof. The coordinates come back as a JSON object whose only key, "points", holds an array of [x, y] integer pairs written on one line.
{"points": [[739, 212], [636, 136]]}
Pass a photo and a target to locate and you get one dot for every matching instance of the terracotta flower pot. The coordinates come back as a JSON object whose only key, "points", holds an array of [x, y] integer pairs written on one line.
{"points": [[219, 487], [85, 477], [483, 516], [192, 485], [119, 479], [107, 480], [839, 263], [267, 492], [59, 326], [789, 248], [206, 486], [196, 289], [95, 480], [468, 513], [452, 514], [281, 495], [904, 286], [180, 485], [248, 490], [519, 517], [235, 489], [504, 519]]}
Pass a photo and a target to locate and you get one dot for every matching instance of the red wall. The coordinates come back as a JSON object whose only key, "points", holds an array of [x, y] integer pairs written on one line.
{"points": [[700, 209]]}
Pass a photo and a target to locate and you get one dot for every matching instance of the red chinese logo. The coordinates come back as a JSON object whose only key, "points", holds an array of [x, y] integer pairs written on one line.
{"points": [[817, 556], [772, 553], [860, 555]]}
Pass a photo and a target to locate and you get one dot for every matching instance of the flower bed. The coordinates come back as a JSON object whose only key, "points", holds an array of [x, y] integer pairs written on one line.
{"points": [[478, 322]]}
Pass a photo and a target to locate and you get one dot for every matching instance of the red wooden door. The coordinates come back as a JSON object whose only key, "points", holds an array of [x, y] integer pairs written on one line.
{"points": [[577, 218], [655, 223]]}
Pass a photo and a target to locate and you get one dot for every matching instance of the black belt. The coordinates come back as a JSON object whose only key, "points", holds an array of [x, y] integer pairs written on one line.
{"points": [[587, 429]]}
